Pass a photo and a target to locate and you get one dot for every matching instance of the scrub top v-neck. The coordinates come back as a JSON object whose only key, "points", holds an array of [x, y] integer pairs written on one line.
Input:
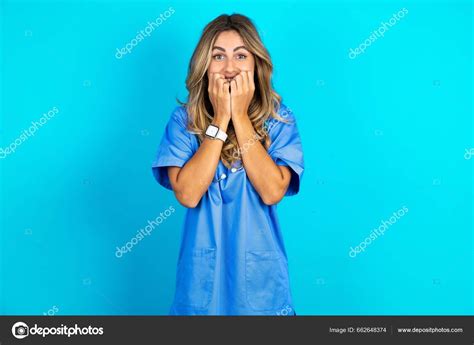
{"points": [[232, 259]]}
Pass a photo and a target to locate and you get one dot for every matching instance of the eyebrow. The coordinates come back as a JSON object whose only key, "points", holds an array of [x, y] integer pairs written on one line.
{"points": [[235, 49]]}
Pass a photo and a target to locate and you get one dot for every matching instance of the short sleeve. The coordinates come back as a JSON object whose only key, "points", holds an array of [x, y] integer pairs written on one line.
{"points": [[175, 148], [285, 147]]}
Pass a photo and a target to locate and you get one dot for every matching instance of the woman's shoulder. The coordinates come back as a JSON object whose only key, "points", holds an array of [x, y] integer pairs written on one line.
{"points": [[285, 118], [179, 113]]}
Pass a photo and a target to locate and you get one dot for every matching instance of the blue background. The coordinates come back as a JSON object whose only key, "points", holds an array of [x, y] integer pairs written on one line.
{"points": [[384, 130]]}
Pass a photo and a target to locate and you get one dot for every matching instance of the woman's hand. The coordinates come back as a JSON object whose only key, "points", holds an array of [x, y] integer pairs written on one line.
{"points": [[242, 88], [219, 95]]}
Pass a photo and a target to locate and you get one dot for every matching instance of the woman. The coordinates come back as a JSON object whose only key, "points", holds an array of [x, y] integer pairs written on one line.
{"points": [[230, 154]]}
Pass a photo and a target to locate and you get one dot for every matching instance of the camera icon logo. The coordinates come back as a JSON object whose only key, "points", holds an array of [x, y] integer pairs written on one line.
{"points": [[20, 330]]}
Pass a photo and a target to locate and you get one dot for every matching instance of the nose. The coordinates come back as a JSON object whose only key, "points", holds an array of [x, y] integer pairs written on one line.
{"points": [[230, 69]]}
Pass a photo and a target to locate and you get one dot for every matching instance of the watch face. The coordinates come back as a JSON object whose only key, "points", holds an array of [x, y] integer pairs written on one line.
{"points": [[212, 131]]}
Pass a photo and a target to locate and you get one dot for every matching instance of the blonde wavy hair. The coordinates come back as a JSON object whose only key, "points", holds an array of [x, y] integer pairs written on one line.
{"points": [[265, 102]]}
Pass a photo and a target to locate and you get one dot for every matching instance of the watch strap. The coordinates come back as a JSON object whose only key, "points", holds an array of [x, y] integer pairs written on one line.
{"points": [[221, 135]]}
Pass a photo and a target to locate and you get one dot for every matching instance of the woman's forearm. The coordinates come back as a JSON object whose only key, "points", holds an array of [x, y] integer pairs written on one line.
{"points": [[269, 180], [192, 180]]}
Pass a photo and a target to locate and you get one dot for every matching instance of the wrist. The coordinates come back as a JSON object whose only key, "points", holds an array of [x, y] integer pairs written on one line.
{"points": [[239, 117], [241, 120], [215, 132], [221, 121]]}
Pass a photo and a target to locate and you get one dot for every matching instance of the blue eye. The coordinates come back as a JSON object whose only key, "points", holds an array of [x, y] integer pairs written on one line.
{"points": [[218, 57], [241, 57]]}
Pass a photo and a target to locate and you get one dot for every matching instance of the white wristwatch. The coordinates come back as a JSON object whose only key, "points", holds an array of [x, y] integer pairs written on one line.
{"points": [[215, 132]]}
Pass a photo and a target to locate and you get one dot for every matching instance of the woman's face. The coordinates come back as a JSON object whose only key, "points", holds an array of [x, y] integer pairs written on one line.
{"points": [[229, 55]]}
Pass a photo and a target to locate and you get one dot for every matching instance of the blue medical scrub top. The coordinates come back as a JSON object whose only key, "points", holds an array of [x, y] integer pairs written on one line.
{"points": [[232, 259]]}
